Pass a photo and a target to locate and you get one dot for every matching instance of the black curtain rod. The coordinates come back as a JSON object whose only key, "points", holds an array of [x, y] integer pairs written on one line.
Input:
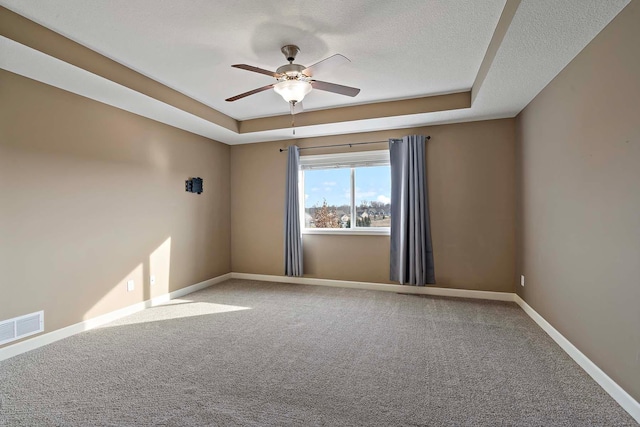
{"points": [[348, 145]]}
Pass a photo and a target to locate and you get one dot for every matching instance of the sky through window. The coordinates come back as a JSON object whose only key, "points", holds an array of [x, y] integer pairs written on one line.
{"points": [[333, 185]]}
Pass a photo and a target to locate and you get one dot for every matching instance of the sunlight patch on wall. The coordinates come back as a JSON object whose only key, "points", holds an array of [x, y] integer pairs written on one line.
{"points": [[159, 268]]}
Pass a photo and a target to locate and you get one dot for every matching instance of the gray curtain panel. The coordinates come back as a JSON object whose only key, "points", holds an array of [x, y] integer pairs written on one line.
{"points": [[292, 232], [411, 250]]}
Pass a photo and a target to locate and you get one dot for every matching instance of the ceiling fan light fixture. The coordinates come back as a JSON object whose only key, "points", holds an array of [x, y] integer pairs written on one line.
{"points": [[292, 90]]}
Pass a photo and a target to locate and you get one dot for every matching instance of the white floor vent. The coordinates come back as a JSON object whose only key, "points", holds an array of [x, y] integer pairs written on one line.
{"points": [[22, 326]]}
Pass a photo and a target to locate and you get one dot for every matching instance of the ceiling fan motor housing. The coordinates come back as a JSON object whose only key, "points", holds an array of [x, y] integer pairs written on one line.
{"points": [[291, 71]]}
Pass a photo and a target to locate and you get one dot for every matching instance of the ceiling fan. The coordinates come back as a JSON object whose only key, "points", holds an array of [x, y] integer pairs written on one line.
{"points": [[294, 81]]}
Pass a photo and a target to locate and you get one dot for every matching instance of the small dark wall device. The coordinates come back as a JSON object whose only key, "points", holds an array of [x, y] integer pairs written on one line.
{"points": [[193, 185]]}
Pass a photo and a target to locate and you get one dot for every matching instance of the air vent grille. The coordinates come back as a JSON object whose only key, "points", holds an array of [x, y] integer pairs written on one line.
{"points": [[7, 332], [22, 326]]}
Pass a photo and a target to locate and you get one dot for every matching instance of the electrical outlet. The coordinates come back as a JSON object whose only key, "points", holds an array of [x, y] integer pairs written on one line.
{"points": [[522, 280], [152, 280], [130, 285]]}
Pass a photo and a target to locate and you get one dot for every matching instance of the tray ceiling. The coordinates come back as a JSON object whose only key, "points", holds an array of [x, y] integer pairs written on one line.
{"points": [[399, 50]]}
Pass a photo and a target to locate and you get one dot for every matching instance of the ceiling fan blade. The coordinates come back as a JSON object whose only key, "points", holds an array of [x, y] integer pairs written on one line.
{"points": [[297, 108], [325, 64], [255, 69], [251, 92], [332, 87]]}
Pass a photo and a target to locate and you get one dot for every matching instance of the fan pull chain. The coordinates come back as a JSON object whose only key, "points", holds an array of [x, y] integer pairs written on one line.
{"points": [[293, 117]]}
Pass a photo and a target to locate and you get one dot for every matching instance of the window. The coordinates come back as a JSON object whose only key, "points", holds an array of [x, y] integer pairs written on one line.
{"points": [[346, 193]]}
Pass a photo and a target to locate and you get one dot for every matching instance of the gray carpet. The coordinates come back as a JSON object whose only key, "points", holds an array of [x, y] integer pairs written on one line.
{"points": [[246, 353]]}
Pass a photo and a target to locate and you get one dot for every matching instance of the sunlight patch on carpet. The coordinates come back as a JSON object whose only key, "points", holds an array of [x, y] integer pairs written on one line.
{"points": [[176, 309]]}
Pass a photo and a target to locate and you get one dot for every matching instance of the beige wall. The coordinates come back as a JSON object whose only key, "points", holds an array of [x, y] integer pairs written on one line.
{"points": [[579, 181], [92, 196], [471, 175]]}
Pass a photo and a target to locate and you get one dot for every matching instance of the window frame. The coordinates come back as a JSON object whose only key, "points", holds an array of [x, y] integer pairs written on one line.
{"points": [[350, 161]]}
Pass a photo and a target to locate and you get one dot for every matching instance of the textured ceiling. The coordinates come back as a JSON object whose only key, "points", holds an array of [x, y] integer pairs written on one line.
{"points": [[399, 49], [403, 49]]}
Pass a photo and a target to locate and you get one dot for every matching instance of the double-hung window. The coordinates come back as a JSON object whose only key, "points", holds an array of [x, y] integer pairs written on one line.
{"points": [[347, 193]]}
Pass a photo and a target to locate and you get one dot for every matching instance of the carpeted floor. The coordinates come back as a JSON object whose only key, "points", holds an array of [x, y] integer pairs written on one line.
{"points": [[246, 353]]}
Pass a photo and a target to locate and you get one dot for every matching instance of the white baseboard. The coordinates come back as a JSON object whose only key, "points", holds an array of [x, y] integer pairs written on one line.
{"points": [[623, 398], [421, 290], [58, 334]]}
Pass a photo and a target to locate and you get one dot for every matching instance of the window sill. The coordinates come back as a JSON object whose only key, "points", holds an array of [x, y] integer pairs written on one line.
{"points": [[348, 232]]}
